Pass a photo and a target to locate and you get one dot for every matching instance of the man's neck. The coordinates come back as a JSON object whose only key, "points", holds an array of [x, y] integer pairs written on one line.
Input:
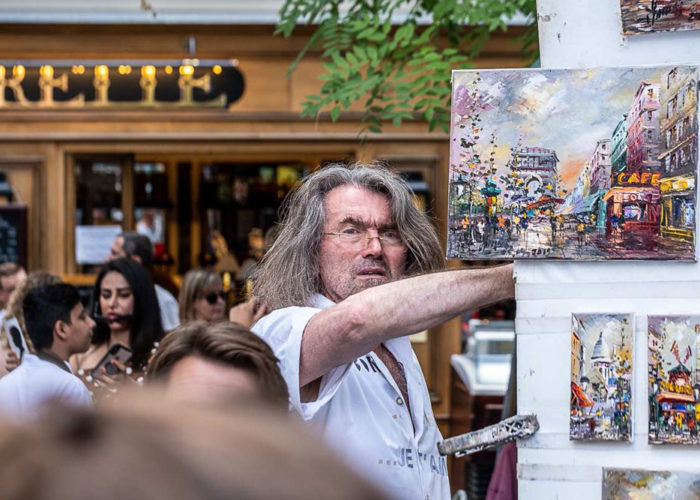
{"points": [[57, 353]]}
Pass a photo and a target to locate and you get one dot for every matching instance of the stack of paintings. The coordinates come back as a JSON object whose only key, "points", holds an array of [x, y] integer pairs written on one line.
{"points": [[630, 484]]}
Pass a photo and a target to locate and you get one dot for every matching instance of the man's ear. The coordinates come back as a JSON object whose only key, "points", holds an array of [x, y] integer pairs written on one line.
{"points": [[137, 259], [60, 330]]}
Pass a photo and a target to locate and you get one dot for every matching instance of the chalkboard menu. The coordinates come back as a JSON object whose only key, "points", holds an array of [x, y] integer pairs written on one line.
{"points": [[13, 234]]}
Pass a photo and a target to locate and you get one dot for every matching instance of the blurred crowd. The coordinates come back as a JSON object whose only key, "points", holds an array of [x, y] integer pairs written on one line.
{"points": [[350, 275], [137, 394]]}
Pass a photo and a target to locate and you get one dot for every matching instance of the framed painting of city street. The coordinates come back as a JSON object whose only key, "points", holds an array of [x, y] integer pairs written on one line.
{"points": [[573, 164], [646, 16], [631, 484], [601, 376], [674, 379]]}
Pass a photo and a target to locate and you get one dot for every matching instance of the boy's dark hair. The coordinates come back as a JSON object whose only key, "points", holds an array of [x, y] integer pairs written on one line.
{"points": [[43, 307], [139, 245]]}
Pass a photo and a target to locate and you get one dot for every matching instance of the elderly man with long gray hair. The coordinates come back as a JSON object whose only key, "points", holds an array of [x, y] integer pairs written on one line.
{"points": [[353, 271]]}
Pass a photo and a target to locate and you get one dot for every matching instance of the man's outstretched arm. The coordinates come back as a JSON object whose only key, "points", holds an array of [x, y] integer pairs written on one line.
{"points": [[360, 323]]}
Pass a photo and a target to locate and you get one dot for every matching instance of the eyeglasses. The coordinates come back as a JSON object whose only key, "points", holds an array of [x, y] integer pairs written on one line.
{"points": [[353, 236], [212, 297]]}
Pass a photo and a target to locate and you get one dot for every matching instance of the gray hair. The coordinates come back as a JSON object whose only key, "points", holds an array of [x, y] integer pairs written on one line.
{"points": [[139, 245], [289, 273]]}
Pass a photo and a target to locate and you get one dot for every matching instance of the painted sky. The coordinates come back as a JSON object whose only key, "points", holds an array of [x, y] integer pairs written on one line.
{"points": [[564, 110], [612, 327], [678, 328]]}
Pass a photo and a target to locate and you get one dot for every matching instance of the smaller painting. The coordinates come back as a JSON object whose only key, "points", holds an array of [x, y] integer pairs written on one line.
{"points": [[601, 375], [674, 380], [630, 484]]}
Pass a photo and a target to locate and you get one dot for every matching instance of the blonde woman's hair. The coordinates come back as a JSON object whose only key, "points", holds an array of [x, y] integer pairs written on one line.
{"points": [[193, 287]]}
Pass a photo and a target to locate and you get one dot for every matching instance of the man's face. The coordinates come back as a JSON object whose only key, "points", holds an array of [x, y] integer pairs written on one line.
{"points": [[347, 268], [116, 250], [9, 283], [80, 329]]}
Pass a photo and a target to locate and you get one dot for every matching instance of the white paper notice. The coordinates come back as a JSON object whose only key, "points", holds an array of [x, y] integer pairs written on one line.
{"points": [[92, 243]]}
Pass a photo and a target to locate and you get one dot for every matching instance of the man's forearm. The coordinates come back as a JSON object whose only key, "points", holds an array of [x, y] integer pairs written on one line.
{"points": [[415, 304], [363, 321]]}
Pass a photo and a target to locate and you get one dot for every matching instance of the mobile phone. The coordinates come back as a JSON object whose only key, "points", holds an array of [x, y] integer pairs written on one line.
{"points": [[116, 352]]}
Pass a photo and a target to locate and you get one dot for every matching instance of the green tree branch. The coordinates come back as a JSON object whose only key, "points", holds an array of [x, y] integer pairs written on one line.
{"points": [[398, 72]]}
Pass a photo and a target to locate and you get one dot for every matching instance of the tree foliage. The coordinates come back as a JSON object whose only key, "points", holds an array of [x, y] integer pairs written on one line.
{"points": [[398, 72]]}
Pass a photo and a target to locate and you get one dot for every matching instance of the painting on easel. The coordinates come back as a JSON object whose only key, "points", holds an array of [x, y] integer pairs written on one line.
{"points": [[592, 164]]}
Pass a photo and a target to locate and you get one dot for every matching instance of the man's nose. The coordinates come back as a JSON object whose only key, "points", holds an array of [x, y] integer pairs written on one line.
{"points": [[372, 246]]}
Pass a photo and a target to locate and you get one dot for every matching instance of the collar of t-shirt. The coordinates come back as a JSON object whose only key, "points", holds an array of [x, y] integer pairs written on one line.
{"points": [[54, 360], [320, 301]]}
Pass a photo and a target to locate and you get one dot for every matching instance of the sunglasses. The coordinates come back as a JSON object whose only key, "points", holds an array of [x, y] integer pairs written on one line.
{"points": [[212, 297]]}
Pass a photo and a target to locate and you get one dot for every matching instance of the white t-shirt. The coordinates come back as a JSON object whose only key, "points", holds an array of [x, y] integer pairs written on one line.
{"points": [[169, 309], [34, 383], [360, 411]]}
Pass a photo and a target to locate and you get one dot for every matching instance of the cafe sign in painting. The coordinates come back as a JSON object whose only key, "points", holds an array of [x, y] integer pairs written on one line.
{"points": [[176, 84]]}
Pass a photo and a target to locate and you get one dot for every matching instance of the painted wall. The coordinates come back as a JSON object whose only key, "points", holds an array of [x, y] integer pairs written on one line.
{"points": [[581, 34]]}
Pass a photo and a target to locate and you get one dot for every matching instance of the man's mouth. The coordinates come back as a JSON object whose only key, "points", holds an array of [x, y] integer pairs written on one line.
{"points": [[372, 272]]}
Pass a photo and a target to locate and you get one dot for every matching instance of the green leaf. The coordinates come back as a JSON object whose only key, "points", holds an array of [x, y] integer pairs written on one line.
{"points": [[335, 113]]}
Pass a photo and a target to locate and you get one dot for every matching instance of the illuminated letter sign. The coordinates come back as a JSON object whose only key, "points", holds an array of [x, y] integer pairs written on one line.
{"points": [[105, 84]]}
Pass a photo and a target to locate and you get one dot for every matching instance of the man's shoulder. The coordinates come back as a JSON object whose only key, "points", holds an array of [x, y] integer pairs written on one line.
{"points": [[280, 322]]}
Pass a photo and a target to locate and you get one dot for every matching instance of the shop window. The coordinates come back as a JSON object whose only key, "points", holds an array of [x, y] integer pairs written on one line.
{"points": [[632, 212], [101, 184], [239, 204], [152, 205], [683, 212]]}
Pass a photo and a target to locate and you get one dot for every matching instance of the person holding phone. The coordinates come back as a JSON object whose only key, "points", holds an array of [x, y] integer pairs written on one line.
{"points": [[126, 309], [202, 297], [58, 327]]}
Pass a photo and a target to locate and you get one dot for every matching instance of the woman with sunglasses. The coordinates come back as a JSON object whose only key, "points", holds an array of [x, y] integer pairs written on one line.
{"points": [[125, 308], [202, 297]]}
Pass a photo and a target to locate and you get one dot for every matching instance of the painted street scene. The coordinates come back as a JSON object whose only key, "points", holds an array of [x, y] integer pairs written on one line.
{"points": [[573, 164], [601, 372], [631, 484], [674, 379], [644, 16]]}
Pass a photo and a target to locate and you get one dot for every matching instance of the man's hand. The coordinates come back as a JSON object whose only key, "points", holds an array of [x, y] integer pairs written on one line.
{"points": [[247, 313]]}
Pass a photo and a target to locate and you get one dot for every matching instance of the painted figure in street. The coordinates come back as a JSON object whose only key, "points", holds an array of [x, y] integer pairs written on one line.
{"points": [[601, 372], [645, 16], [629, 484], [585, 164], [674, 379]]}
